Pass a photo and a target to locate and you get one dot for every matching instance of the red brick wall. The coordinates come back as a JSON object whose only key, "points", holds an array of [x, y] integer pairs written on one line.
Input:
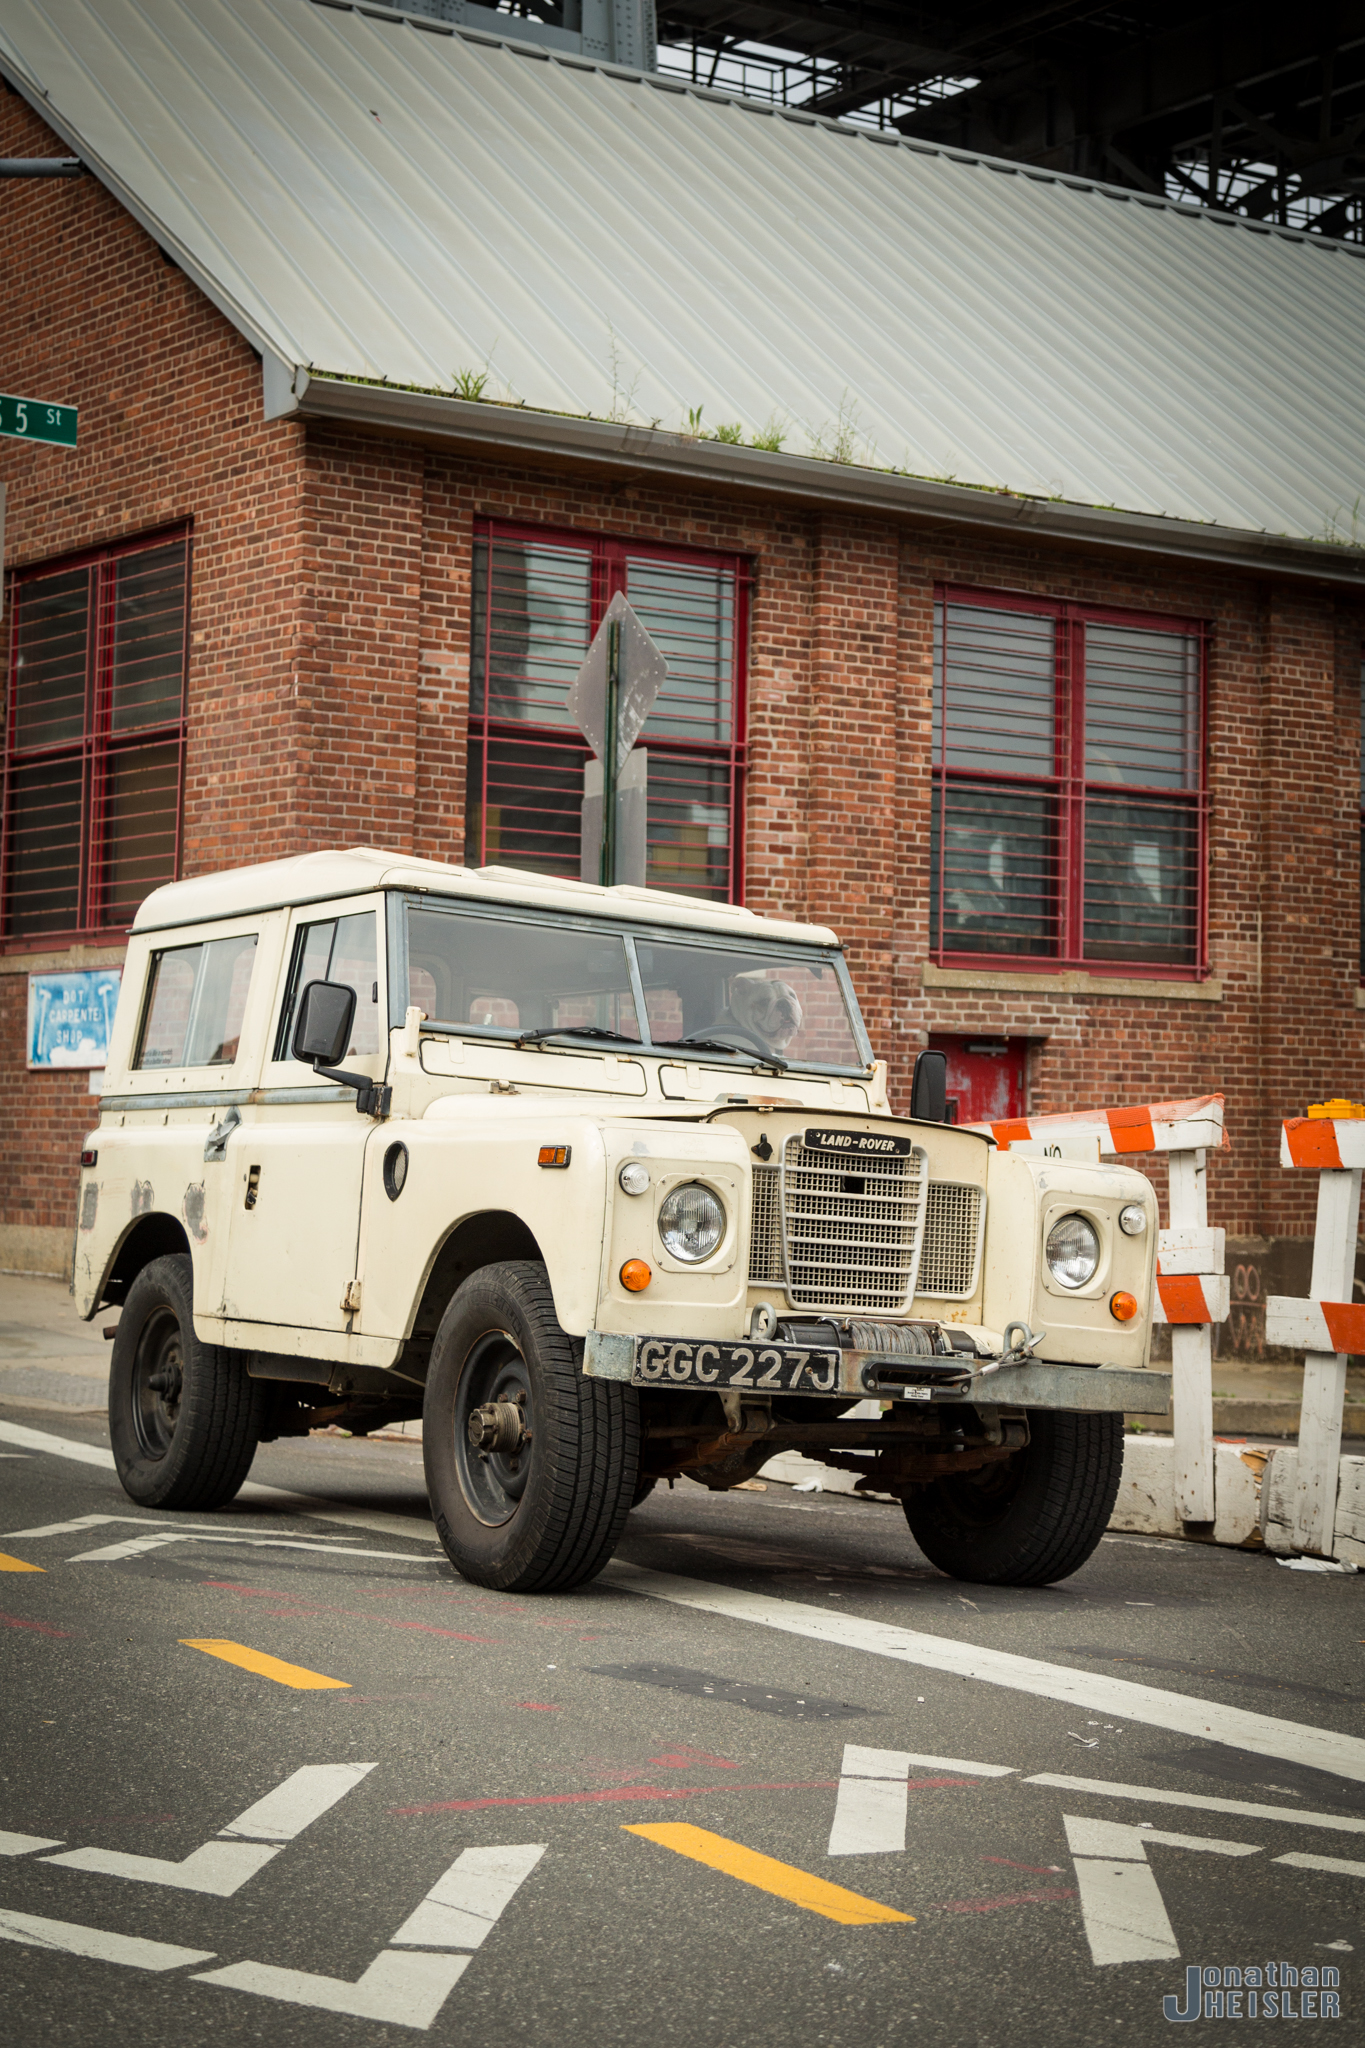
{"points": [[328, 693]]}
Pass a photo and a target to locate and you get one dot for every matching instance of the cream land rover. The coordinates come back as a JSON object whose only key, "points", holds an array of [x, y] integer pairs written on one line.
{"points": [[603, 1185]]}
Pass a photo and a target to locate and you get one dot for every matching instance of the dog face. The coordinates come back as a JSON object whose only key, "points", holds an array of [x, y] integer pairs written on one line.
{"points": [[769, 1008]]}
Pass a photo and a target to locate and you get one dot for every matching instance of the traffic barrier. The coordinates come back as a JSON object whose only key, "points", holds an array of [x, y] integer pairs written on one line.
{"points": [[1192, 1287], [1327, 1325]]}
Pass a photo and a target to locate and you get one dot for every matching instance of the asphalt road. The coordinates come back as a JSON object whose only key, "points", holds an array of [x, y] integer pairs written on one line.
{"points": [[619, 1806]]}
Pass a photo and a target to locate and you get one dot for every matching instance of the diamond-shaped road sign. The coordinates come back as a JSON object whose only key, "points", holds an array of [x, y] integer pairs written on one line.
{"points": [[641, 668], [612, 696]]}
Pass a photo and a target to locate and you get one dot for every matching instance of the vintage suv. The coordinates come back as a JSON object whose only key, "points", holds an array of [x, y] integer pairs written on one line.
{"points": [[603, 1185]]}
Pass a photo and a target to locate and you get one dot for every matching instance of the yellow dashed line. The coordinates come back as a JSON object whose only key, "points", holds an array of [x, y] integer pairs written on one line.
{"points": [[764, 1872], [267, 1667], [16, 1564]]}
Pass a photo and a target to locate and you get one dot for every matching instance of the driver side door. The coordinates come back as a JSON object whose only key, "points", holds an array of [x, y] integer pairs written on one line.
{"points": [[299, 1153]]}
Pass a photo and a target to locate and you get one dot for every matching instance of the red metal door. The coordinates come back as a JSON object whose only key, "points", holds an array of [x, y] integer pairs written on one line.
{"points": [[986, 1076]]}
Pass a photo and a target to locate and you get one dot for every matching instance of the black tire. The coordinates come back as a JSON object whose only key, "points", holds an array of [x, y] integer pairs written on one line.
{"points": [[537, 1520], [644, 1486], [1031, 1519], [188, 1440]]}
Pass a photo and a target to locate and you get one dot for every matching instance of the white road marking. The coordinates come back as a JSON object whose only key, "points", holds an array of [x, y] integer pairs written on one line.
{"points": [[403, 1989], [60, 1446], [133, 1546], [896, 1763], [220, 1868], [283, 1501], [406, 1989], [1121, 1907], [93, 1942], [1207, 1720], [869, 1817], [460, 1909], [20, 1845], [1341, 1864], [871, 1810], [303, 1798], [1201, 1802]]}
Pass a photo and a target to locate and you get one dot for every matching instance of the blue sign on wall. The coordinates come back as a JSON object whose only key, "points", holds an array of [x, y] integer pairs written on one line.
{"points": [[70, 1017]]}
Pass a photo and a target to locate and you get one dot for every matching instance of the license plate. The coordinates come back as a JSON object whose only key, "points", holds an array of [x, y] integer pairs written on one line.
{"points": [[858, 1144], [771, 1368]]}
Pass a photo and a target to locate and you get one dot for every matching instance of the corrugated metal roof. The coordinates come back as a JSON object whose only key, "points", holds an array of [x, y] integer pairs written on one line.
{"points": [[373, 198]]}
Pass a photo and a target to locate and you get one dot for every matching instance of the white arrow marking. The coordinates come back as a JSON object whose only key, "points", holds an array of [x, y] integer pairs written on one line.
{"points": [[406, 1990], [460, 1909], [96, 1944], [1121, 1907], [220, 1868], [871, 1810]]}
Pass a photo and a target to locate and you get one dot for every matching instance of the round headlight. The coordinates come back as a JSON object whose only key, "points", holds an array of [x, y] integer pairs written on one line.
{"points": [[633, 1178], [1073, 1251], [691, 1222], [1132, 1219]]}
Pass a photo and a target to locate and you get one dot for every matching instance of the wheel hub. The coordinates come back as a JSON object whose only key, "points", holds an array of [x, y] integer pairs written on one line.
{"points": [[498, 1426], [494, 1428]]}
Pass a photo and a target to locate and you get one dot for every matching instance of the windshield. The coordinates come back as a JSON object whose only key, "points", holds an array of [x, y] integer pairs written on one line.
{"points": [[521, 978]]}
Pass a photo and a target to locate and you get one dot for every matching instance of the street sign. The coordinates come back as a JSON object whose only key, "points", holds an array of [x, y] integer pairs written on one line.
{"points": [[640, 670], [33, 419], [612, 696]]}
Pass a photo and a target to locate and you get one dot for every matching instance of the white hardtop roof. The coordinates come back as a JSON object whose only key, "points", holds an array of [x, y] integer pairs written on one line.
{"points": [[357, 870], [409, 205]]}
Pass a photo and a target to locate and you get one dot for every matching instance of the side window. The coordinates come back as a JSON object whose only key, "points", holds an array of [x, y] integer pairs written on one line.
{"points": [[343, 949], [196, 1000]]}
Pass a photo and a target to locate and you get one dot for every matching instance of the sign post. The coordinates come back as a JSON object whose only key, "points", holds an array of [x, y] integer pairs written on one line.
{"points": [[612, 696], [33, 419]]}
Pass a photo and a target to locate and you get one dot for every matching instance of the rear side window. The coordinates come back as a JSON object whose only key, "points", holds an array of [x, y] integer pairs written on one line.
{"points": [[343, 949], [196, 1000]]}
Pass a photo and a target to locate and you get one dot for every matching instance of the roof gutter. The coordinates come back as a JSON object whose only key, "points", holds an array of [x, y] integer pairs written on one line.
{"points": [[621, 447]]}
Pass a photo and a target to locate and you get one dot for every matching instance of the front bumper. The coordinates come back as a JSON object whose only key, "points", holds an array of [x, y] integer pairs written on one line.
{"points": [[829, 1368]]}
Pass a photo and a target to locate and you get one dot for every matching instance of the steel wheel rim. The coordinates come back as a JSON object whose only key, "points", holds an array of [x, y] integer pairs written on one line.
{"points": [[493, 1483], [159, 1358]]}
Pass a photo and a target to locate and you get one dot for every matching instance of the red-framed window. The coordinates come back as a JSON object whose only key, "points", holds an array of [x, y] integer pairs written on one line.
{"points": [[95, 735], [1070, 806], [538, 598]]}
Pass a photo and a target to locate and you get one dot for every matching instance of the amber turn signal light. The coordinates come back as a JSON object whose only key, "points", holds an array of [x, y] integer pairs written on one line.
{"points": [[635, 1275], [1123, 1307]]}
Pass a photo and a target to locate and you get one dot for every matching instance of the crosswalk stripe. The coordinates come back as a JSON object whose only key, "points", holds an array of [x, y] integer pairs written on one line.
{"points": [[265, 1666], [766, 1874]]}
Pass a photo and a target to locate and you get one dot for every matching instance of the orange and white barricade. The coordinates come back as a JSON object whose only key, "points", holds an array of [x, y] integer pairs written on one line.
{"points": [[1327, 1325], [1192, 1287]]}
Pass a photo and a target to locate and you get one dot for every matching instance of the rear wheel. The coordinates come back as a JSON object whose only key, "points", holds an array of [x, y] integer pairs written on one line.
{"points": [[184, 1418], [1029, 1519], [531, 1467]]}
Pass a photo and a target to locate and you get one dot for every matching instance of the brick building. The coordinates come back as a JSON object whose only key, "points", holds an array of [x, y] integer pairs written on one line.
{"points": [[1056, 718]]}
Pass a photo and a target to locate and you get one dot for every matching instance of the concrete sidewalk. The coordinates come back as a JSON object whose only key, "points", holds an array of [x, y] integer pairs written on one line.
{"points": [[49, 1358]]}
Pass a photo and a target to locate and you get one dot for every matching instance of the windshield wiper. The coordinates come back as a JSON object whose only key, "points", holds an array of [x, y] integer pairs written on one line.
{"points": [[764, 1059], [545, 1031]]}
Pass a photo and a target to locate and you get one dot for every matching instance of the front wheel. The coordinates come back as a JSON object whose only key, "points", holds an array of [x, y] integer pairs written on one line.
{"points": [[531, 1467], [184, 1418], [1030, 1519]]}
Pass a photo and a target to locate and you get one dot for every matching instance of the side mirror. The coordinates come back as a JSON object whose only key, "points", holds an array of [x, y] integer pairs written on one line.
{"points": [[322, 1030], [929, 1088]]}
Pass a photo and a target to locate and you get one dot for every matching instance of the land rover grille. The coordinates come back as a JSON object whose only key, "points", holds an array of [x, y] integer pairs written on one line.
{"points": [[839, 1233]]}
